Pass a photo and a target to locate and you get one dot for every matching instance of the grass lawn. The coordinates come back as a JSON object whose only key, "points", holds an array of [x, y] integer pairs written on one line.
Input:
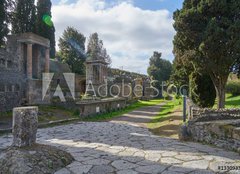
{"points": [[130, 108], [231, 102], [166, 109]]}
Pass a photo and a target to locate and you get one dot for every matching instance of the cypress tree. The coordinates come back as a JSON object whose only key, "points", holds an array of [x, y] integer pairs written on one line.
{"points": [[5, 16], [44, 24], [24, 17], [3, 24]]}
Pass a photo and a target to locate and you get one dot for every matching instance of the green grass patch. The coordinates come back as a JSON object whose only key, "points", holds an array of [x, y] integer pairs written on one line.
{"points": [[6, 114], [54, 113], [138, 104], [165, 112], [231, 102]]}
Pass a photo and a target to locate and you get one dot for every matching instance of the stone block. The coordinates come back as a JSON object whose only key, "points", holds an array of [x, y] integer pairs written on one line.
{"points": [[236, 133], [25, 124], [183, 133]]}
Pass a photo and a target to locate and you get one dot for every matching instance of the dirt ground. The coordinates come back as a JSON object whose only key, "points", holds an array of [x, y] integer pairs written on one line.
{"points": [[169, 126]]}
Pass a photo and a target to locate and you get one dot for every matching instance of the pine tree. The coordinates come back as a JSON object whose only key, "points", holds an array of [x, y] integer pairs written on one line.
{"points": [[96, 50], [44, 24], [24, 17], [72, 50]]}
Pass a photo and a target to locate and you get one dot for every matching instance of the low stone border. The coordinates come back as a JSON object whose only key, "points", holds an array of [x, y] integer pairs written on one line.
{"points": [[221, 133], [218, 127], [195, 111]]}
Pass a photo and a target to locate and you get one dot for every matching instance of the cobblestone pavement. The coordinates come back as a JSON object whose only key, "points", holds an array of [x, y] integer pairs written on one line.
{"points": [[127, 148]]}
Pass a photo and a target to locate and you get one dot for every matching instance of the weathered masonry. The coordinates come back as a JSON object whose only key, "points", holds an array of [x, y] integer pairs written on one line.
{"points": [[22, 63]]}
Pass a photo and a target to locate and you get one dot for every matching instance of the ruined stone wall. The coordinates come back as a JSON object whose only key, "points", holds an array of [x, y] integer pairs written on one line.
{"points": [[12, 81], [92, 108], [205, 114], [221, 133], [218, 127]]}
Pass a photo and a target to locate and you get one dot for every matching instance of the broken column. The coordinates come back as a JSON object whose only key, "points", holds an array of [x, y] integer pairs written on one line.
{"points": [[25, 124]]}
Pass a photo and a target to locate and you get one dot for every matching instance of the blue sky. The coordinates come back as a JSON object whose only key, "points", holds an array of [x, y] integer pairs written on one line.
{"points": [[130, 29], [171, 5]]}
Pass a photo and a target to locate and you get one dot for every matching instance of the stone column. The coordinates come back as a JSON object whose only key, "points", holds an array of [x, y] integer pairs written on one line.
{"points": [[39, 63], [25, 124], [29, 60], [47, 58]]}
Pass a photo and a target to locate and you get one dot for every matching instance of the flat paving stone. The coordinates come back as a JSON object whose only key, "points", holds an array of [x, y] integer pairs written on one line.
{"points": [[151, 169], [78, 168], [125, 146], [102, 169], [171, 161], [97, 162], [188, 157], [201, 164], [63, 171], [179, 169], [121, 164], [127, 172]]}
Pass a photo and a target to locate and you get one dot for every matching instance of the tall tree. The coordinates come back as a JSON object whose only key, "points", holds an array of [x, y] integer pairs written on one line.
{"points": [[3, 22], [5, 7], [181, 71], [96, 50], [24, 16], [210, 29], [72, 49], [44, 24], [159, 69]]}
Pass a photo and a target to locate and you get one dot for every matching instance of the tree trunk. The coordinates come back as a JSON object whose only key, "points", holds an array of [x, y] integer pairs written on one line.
{"points": [[220, 85], [221, 96]]}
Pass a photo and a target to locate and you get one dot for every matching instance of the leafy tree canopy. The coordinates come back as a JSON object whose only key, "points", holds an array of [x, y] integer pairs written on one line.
{"points": [[209, 29], [96, 50], [72, 49], [159, 69]]}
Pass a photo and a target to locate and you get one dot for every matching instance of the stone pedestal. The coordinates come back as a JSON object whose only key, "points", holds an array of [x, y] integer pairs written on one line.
{"points": [[25, 124], [183, 133]]}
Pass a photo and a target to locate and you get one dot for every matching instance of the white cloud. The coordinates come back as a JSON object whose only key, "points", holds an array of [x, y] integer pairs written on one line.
{"points": [[130, 34]]}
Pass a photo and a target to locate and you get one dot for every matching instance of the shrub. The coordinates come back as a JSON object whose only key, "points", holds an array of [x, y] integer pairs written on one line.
{"points": [[202, 90], [76, 112], [233, 87]]}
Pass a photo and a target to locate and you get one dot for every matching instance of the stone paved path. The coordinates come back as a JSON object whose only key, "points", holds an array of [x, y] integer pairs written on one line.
{"points": [[127, 148]]}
